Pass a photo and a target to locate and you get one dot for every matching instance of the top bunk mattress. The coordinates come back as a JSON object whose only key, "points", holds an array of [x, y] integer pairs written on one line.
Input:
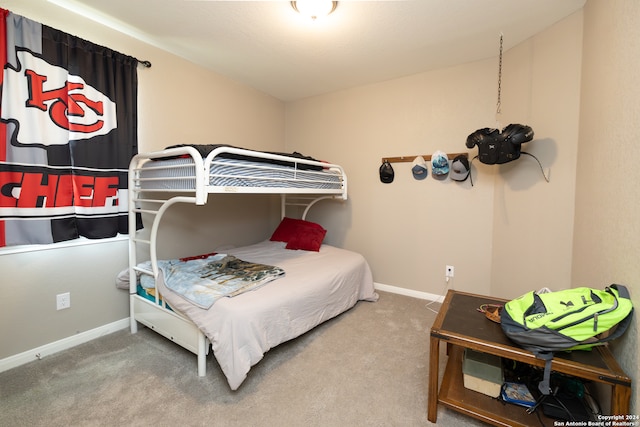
{"points": [[175, 174], [228, 168]]}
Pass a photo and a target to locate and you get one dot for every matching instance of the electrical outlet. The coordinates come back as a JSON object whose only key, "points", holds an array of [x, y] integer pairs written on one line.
{"points": [[448, 271], [63, 301]]}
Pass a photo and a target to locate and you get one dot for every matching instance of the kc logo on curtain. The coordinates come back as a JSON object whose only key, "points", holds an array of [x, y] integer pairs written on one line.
{"points": [[68, 129]]}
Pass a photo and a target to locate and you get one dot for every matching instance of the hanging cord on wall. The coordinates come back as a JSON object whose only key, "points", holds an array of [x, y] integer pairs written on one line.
{"points": [[546, 178], [470, 168], [439, 299], [499, 103]]}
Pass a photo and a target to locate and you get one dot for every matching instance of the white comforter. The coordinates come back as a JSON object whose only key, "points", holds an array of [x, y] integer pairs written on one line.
{"points": [[316, 287]]}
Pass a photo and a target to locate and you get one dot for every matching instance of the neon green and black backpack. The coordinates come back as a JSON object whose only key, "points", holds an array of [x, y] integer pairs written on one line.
{"points": [[570, 319]]}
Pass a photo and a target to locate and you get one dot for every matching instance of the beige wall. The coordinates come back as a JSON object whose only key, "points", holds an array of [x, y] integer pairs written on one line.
{"points": [[408, 230], [497, 233], [607, 224], [178, 102]]}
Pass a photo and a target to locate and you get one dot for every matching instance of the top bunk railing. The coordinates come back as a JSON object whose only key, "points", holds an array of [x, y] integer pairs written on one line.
{"points": [[184, 169], [190, 178]]}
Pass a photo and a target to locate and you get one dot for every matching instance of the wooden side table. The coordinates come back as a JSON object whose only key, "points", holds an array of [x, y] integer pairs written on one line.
{"points": [[461, 326]]}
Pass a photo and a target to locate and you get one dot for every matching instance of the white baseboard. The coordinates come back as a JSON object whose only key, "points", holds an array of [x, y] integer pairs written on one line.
{"points": [[409, 292], [63, 344]]}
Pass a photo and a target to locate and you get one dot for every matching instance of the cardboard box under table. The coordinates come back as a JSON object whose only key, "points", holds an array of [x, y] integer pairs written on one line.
{"points": [[482, 372]]}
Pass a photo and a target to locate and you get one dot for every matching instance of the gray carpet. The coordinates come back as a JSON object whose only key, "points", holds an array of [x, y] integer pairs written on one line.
{"points": [[367, 367]]}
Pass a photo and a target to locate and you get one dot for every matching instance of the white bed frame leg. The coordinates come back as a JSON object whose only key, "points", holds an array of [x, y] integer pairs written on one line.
{"points": [[202, 355], [133, 324]]}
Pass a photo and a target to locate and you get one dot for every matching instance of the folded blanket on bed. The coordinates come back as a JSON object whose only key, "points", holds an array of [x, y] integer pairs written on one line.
{"points": [[203, 281]]}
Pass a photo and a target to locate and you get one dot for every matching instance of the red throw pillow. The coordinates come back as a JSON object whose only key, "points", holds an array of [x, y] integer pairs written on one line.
{"points": [[299, 234], [286, 229], [308, 239]]}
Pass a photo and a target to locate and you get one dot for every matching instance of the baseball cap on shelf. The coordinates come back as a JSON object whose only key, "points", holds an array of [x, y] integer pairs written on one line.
{"points": [[439, 164], [419, 168], [459, 168], [386, 172]]}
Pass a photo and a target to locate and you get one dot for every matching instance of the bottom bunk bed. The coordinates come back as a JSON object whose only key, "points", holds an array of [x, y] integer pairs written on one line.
{"points": [[316, 286]]}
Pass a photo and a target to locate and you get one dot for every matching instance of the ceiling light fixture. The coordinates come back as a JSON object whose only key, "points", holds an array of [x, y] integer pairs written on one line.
{"points": [[314, 9]]}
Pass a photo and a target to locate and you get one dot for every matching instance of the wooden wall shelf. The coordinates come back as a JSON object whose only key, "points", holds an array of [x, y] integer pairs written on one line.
{"points": [[426, 157]]}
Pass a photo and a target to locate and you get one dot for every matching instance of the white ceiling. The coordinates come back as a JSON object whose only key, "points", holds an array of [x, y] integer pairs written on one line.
{"points": [[267, 45]]}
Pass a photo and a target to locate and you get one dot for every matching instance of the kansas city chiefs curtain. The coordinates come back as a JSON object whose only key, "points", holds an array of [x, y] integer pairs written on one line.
{"points": [[68, 129]]}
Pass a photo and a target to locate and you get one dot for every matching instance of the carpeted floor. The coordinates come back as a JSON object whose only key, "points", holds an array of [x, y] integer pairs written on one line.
{"points": [[368, 367]]}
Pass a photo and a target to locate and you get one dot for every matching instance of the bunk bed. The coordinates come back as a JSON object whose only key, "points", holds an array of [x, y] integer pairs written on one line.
{"points": [[318, 283]]}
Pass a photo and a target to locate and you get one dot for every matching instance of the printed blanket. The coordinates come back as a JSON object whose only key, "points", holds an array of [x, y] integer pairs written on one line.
{"points": [[203, 281]]}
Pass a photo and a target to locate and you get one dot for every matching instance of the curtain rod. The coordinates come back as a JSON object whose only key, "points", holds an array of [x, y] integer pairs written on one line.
{"points": [[146, 64]]}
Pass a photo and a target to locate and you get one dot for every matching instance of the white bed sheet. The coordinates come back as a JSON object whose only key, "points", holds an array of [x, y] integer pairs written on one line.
{"points": [[317, 286]]}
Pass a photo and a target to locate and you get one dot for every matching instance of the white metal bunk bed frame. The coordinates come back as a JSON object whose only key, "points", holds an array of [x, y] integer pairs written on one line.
{"points": [[157, 316]]}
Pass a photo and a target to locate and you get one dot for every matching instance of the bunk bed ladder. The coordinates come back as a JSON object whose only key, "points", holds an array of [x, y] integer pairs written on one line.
{"points": [[155, 208], [151, 242], [135, 240]]}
